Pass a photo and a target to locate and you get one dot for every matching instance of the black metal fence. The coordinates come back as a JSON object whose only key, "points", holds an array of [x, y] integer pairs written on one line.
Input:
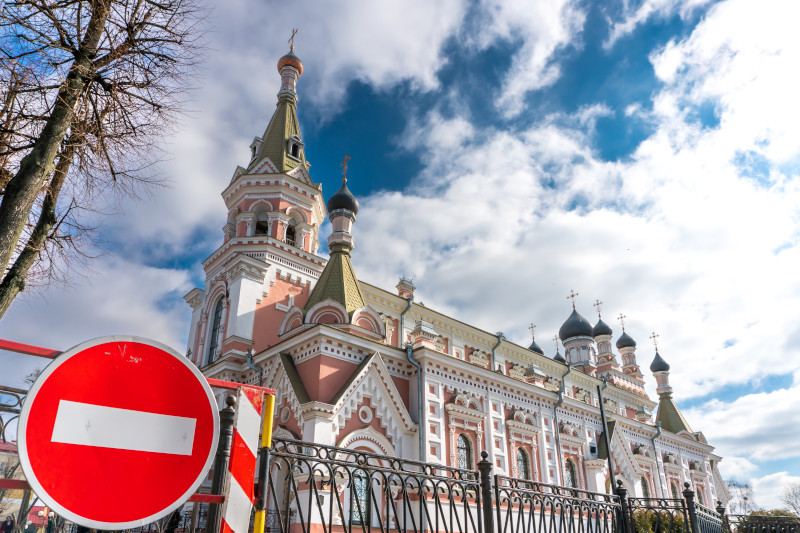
{"points": [[524, 506], [324, 489], [755, 523]]}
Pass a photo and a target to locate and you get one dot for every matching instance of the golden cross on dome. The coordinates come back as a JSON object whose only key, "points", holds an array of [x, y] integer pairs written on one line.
{"points": [[654, 338], [555, 340], [621, 319], [291, 39], [599, 306], [572, 295], [532, 329], [344, 167]]}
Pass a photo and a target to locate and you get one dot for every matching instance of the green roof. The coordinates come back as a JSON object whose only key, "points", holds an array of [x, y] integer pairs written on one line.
{"points": [[294, 379], [338, 282], [602, 451], [274, 144], [670, 416]]}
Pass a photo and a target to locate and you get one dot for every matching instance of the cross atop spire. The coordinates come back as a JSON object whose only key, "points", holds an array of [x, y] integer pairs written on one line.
{"points": [[572, 295], [532, 329], [654, 338], [344, 167], [621, 319], [599, 306], [555, 341], [291, 39]]}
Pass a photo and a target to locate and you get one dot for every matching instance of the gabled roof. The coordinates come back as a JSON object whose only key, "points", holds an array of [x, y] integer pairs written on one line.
{"points": [[387, 393], [338, 282], [294, 378], [670, 416]]}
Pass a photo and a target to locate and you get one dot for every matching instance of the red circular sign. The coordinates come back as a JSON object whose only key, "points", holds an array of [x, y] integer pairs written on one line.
{"points": [[118, 432]]}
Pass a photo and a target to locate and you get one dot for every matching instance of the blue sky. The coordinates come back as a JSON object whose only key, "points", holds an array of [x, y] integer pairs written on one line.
{"points": [[505, 152]]}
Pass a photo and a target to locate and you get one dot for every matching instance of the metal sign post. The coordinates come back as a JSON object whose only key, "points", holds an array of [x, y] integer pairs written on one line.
{"points": [[606, 437]]}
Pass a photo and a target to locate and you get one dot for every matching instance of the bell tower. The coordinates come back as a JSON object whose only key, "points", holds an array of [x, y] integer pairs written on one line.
{"points": [[267, 262]]}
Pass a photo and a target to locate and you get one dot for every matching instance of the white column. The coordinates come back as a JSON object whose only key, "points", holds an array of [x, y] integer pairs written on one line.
{"points": [[247, 281]]}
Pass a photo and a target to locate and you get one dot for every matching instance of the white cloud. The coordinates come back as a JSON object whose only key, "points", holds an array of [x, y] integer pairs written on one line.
{"points": [[544, 28], [768, 489], [645, 11], [740, 426], [121, 298], [677, 237]]}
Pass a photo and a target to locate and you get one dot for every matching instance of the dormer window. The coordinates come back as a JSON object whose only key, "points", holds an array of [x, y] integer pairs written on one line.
{"points": [[254, 147], [293, 147]]}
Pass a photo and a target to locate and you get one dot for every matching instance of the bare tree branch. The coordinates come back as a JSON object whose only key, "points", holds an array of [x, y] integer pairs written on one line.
{"points": [[87, 90]]}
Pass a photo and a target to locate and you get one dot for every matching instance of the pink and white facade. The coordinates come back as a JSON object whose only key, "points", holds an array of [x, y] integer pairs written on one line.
{"points": [[334, 348]]}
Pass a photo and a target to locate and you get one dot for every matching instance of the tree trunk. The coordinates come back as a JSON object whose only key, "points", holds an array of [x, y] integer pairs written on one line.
{"points": [[14, 281], [21, 191]]}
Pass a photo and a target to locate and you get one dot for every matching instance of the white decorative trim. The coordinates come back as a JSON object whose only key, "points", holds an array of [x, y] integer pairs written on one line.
{"points": [[327, 302], [375, 383], [365, 414], [294, 312], [374, 317], [369, 438]]}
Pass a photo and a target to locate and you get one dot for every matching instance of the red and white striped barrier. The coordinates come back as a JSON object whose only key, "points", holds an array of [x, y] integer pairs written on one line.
{"points": [[242, 466]]}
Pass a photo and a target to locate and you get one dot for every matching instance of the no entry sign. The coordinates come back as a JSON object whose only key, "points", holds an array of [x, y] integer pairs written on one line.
{"points": [[118, 432]]}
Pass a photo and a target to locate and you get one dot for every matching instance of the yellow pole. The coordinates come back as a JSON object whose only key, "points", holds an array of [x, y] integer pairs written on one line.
{"points": [[266, 443], [269, 415]]}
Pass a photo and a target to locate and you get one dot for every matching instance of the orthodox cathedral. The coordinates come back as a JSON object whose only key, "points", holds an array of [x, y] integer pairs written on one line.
{"points": [[359, 366]]}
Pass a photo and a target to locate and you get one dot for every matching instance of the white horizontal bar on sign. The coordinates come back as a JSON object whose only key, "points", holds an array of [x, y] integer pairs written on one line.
{"points": [[86, 424]]}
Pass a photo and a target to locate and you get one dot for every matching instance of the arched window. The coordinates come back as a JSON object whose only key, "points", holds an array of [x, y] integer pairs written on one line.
{"points": [[359, 499], [523, 465], [290, 235], [570, 474], [673, 488], [645, 488], [216, 326], [463, 452], [262, 226]]}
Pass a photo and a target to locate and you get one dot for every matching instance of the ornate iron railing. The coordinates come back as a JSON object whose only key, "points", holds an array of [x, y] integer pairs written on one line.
{"points": [[657, 515], [708, 520], [524, 506], [355, 491], [753, 523]]}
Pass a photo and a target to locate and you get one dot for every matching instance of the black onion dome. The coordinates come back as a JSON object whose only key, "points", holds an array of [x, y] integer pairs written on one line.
{"points": [[625, 341], [536, 348], [658, 364], [558, 357], [601, 328], [575, 326], [343, 199]]}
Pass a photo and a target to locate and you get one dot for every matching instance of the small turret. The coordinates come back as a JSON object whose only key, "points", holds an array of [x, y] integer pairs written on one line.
{"points": [[338, 280], [576, 334], [535, 348], [342, 210], [627, 350], [669, 415]]}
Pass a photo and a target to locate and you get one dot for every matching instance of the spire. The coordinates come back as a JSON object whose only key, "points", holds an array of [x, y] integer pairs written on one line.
{"points": [[282, 142], [669, 415], [338, 280]]}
